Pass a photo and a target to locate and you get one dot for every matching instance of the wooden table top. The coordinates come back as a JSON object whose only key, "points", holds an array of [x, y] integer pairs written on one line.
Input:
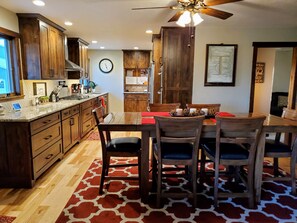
{"points": [[133, 121]]}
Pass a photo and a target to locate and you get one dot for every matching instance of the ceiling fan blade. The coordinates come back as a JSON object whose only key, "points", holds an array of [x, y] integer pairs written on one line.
{"points": [[162, 7], [216, 13], [176, 16], [219, 2]]}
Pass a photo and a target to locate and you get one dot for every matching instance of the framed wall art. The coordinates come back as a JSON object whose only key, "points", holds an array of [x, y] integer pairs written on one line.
{"points": [[260, 68], [220, 64], [39, 88]]}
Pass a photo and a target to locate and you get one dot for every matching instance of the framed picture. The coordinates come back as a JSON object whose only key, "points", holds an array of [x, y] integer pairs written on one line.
{"points": [[220, 65], [260, 68], [39, 88]]}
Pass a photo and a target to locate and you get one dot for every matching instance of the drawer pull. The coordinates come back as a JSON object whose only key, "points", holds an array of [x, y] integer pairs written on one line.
{"points": [[49, 156], [48, 137], [66, 113], [88, 126], [48, 121]]}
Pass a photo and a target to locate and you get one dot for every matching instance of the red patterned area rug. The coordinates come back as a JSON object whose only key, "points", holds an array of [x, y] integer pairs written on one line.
{"points": [[93, 135], [6, 219], [121, 203]]}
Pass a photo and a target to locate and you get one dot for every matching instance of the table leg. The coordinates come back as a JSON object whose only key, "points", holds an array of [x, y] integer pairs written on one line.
{"points": [[259, 167], [144, 188]]}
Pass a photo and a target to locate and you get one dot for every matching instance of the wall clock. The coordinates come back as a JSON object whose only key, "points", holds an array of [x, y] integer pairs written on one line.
{"points": [[105, 65]]}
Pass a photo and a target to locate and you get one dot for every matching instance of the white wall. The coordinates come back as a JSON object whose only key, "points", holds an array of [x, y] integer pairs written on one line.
{"points": [[282, 71], [112, 82], [8, 20], [263, 90], [233, 99]]}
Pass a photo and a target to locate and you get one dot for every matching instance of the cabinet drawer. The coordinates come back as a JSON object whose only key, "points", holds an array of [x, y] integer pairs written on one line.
{"points": [[87, 104], [86, 114], [46, 137], [44, 122], [69, 111], [46, 157], [87, 126]]}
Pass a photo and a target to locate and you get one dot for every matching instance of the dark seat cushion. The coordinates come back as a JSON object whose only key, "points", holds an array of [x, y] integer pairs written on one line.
{"points": [[177, 151], [272, 147], [124, 144], [228, 151]]}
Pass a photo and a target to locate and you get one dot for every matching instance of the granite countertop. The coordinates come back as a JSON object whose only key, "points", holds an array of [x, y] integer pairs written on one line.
{"points": [[31, 113], [136, 92]]}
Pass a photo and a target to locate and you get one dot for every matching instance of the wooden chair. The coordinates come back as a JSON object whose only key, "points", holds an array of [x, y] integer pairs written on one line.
{"points": [[236, 144], [163, 107], [276, 149], [177, 144], [116, 147], [212, 108]]}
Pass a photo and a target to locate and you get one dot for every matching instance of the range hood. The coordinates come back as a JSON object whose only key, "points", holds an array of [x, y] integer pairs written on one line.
{"points": [[70, 66]]}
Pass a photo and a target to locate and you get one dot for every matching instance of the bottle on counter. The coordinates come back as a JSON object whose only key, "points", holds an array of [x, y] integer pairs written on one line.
{"points": [[53, 98]]}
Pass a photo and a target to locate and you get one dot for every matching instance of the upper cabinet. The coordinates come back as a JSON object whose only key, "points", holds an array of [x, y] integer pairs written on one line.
{"points": [[136, 59], [78, 53], [42, 43]]}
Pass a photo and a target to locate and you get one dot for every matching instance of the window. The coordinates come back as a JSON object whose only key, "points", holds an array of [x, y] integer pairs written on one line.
{"points": [[10, 72]]}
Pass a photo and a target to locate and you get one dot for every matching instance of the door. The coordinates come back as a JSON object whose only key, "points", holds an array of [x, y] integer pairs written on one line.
{"points": [[293, 74]]}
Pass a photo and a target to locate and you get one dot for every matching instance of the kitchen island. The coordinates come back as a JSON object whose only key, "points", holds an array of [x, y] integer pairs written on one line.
{"points": [[33, 139]]}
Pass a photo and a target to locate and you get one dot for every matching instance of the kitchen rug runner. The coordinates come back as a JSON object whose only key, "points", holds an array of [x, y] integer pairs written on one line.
{"points": [[6, 219], [122, 203]]}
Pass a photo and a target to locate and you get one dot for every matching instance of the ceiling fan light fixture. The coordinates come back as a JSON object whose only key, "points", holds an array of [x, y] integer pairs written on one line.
{"points": [[184, 19], [197, 19]]}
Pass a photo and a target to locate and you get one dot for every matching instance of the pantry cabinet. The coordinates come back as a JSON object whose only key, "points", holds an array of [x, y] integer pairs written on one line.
{"points": [[42, 43], [136, 102]]}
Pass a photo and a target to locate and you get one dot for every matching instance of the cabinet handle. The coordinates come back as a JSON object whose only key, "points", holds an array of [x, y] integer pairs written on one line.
{"points": [[49, 156], [66, 113], [88, 126], [48, 137], [71, 121], [47, 121]]}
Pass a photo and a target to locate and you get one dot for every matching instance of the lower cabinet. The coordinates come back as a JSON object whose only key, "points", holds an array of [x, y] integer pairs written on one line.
{"points": [[28, 149], [87, 120], [135, 102], [70, 127]]}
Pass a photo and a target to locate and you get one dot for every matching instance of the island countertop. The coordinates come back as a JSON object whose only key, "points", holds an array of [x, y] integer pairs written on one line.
{"points": [[30, 113]]}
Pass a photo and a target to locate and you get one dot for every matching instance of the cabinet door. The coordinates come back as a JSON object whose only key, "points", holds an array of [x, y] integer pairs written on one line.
{"points": [[44, 50], [177, 66], [66, 134], [129, 59], [75, 136], [143, 59], [53, 53], [60, 57]]}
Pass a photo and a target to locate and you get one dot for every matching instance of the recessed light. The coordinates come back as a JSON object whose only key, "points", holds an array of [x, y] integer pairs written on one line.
{"points": [[38, 2], [102, 47], [67, 23], [149, 31], [94, 41], [136, 47]]}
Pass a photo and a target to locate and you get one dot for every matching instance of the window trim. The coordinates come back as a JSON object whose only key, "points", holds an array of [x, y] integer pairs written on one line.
{"points": [[15, 49]]}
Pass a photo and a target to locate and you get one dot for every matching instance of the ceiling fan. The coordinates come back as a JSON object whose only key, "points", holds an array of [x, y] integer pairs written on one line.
{"points": [[197, 6]]}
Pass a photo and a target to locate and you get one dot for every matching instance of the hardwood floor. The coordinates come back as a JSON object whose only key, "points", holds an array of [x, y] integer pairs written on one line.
{"points": [[46, 200]]}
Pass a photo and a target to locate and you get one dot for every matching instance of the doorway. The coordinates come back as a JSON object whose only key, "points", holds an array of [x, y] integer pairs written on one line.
{"points": [[293, 73]]}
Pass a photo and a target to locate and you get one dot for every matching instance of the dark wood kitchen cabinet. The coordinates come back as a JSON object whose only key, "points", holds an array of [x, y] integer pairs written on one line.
{"points": [[175, 63], [78, 53], [28, 149], [70, 127], [135, 102], [87, 120], [136, 58], [42, 43]]}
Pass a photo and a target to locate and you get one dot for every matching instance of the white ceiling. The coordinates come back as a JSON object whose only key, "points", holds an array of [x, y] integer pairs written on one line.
{"points": [[114, 25]]}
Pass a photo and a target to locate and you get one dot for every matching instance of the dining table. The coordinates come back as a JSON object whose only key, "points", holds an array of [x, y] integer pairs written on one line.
{"points": [[144, 122]]}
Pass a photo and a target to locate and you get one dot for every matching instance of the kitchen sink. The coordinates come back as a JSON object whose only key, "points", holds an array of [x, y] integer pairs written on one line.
{"points": [[75, 97]]}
